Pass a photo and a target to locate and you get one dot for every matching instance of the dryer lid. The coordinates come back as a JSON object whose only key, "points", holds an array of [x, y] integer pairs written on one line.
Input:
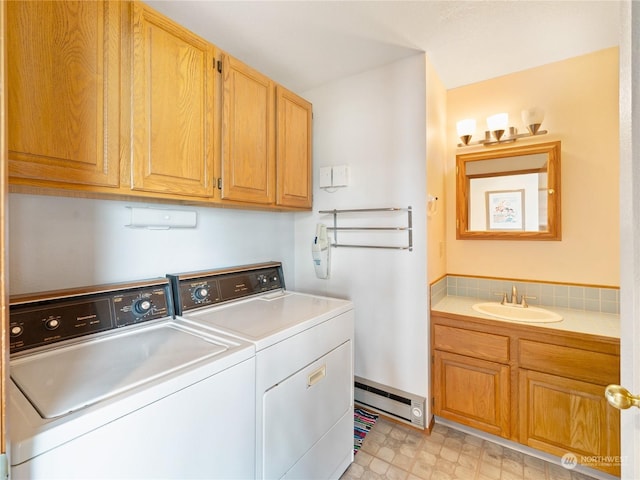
{"points": [[63, 380]]}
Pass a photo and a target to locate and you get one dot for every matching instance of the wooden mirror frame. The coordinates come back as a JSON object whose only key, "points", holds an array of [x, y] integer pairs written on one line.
{"points": [[552, 149]]}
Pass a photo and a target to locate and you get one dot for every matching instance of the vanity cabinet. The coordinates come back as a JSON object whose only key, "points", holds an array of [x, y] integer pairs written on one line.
{"points": [[563, 403], [266, 139], [173, 109], [540, 387], [63, 66], [472, 374]]}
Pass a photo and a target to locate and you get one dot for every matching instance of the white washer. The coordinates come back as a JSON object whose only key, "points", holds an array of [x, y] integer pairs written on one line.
{"points": [[105, 384], [304, 364]]}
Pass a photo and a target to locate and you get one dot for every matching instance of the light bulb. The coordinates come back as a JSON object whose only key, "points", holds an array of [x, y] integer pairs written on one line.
{"points": [[499, 121], [532, 118], [466, 129]]}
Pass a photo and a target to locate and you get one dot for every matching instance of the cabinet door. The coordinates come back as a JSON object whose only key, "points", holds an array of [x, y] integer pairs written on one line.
{"points": [[248, 134], [473, 392], [173, 107], [293, 166], [560, 415], [63, 64]]}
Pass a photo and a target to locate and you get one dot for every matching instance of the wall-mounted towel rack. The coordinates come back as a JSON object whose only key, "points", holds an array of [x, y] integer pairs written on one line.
{"points": [[408, 228]]}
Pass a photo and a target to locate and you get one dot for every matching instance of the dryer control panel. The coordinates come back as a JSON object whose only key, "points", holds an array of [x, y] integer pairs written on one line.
{"points": [[42, 319], [200, 289]]}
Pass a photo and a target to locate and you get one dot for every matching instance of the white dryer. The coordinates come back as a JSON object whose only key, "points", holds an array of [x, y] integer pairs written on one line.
{"points": [[304, 363], [106, 384]]}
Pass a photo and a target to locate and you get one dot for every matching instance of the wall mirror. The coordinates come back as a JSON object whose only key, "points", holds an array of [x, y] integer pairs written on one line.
{"points": [[509, 193]]}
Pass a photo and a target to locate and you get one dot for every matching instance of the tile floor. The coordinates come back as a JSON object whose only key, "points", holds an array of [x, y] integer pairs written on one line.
{"points": [[397, 452]]}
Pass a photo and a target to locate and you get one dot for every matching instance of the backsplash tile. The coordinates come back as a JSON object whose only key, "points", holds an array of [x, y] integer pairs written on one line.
{"points": [[575, 297]]}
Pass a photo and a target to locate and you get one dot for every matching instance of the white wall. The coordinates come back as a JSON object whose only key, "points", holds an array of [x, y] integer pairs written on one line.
{"points": [[375, 123], [57, 242]]}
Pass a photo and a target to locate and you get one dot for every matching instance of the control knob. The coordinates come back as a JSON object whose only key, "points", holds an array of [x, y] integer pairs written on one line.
{"points": [[200, 293], [142, 306], [16, 330], [52, 323]]}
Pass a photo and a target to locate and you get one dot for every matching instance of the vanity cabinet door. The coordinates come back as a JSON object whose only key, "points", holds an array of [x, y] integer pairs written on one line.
{"points": [[561, 415], [248, 134], [472, 391], [63, 76], [173, 108]]}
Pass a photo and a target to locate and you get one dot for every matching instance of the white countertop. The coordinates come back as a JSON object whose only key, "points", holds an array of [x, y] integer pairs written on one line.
{"points": [[579, 321]]}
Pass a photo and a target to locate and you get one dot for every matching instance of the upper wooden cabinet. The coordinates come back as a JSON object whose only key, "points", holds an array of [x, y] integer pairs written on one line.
{"points": [[113, 98], [266, 140], [248, 134], [173, 111], [293, 154], [63, 67]]}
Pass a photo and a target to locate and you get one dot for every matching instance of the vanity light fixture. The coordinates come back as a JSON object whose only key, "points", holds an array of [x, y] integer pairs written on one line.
{"points": [[466, 128], [497, 126]]}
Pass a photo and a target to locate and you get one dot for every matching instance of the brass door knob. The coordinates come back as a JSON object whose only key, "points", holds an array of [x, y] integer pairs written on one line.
{"points": [[620, 398]]}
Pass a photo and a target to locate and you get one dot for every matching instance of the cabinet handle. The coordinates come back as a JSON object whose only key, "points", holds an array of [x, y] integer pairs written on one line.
{"points": [[620, 398], [316, 376]]}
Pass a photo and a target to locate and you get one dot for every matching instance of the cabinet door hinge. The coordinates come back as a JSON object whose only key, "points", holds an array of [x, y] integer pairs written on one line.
{"points": [[219, 66], [220, 183]]}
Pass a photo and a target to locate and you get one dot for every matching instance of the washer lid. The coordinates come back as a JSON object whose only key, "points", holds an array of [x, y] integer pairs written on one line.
{"points": [[269, 318], [60, 381]]}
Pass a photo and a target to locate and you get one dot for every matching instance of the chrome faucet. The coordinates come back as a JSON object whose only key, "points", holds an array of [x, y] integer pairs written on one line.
{"points": [[514, 295]]}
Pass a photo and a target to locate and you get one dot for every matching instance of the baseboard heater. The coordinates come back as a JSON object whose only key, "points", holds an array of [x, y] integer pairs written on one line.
{"points": [[402, 406]]}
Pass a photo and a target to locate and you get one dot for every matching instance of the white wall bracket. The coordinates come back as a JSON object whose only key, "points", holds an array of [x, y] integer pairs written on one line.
{"points": [[161, 219]]}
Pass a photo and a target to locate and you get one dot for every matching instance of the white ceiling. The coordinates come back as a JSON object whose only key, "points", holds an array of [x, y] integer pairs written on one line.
{"points": [[303, 44]]}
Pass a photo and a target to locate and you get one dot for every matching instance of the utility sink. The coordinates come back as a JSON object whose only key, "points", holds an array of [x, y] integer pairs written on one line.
{"points": [[517, 313]]}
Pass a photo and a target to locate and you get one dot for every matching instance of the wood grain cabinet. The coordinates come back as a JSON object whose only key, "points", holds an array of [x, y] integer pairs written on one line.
{"points": [[471, 378], [562, 401], [293, 152], [173, 110], [266, 140], [63, 67], [248, 134], [542, 388], [113, 98]]}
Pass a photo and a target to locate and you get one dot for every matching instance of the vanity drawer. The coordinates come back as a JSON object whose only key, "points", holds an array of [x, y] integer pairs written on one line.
{"points": [[471, 343], [587, 365]]}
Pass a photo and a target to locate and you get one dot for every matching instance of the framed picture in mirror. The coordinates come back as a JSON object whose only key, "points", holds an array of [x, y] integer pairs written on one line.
{"points": [[505, 210]]}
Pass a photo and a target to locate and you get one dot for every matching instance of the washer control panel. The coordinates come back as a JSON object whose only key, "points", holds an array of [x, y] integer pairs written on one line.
{"points": [[140, 306], [201, 289], [39, 320]]}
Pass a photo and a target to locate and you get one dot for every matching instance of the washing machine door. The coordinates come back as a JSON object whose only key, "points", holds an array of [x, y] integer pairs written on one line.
{"points": [[69, 378]]}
